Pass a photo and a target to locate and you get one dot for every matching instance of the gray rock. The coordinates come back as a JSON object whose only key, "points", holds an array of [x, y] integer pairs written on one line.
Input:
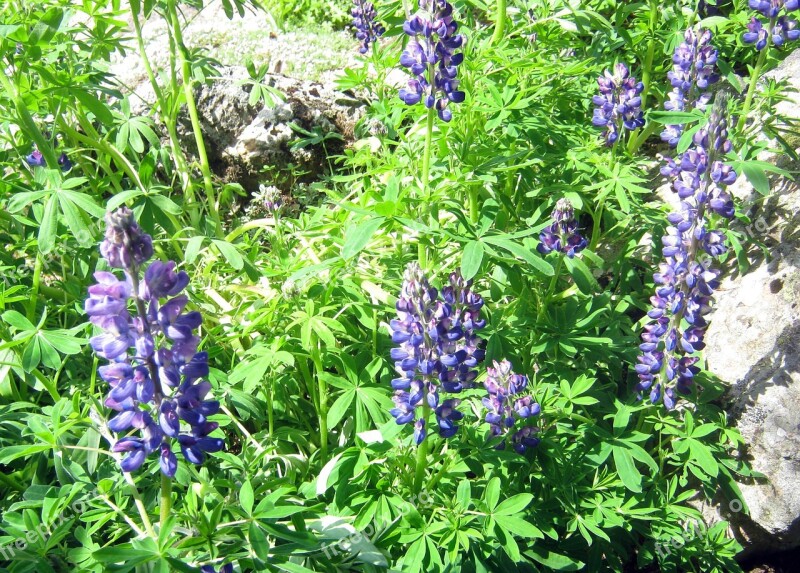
{"points": [[753, 344], [247, 140]]}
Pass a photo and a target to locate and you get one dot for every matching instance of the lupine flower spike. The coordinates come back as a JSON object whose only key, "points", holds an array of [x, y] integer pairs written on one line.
{"points": [[367, 29], [779, 28], [155, 372], [619, 104], [693, 71], [507, 406], [685, 283], [431, 58], [562, 236], [437, 349]]}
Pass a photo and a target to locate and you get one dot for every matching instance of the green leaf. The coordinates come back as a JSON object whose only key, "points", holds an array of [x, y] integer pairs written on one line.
{"points": [[49, 226], [703, 457], [626, 468], [340, 407], [513, 504], [258, 541], [492, 494], [554, 561], [93, 104], [471, 259], [246, 497], [231, 254], [18, 321], [674, 117], [358, 237], [582, 275], [519, 526], [757, 177], [523, 253]]}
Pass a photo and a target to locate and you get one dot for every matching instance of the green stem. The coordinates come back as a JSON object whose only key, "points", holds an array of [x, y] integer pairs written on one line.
{"points": [[168, 119], [37, 279], [426, 165], [651, 50], [499, 22], [322, 395], [205, 167], [551, 287], [598, 217], [166, 499], [29, 125], [474, 211], [751, 89], [422, 451]]}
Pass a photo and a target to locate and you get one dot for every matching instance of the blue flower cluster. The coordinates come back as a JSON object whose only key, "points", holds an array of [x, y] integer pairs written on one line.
{"points": [[685, 283], [562, 235], [505, 410], [619, 103], [694, 69], [366, 28], [437, 348], [779, 28], [228, 568], [155, 372], [431, 58]]}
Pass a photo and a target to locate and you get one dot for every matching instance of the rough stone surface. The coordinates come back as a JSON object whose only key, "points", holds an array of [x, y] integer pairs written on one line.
{"points": [[244, 140], [753, 345]]}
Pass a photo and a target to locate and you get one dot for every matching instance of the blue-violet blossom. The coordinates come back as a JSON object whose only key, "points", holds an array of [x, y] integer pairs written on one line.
{"points": [[693, 71], [437, 348], [562, 235], [155, 372], [779, 28], [366, 28], [506, 407], [431, 58], [685, 282], [619, 103]]}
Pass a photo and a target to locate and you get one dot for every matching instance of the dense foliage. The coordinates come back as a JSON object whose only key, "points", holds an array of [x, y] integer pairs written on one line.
{"points": [[480, 350]]}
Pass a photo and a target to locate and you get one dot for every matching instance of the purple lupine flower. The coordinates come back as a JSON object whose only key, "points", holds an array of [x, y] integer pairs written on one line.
{"points": [[437, 349], [506, 407], [619, 103], [64, 162], [694, 69], [684, 282], [431, 58], [228, 568], [562, 235], [155, 374], [35, 159], [367, 30], [779, 28]]}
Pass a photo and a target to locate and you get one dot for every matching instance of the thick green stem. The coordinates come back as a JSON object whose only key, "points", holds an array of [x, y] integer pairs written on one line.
{"points": [[499, 22], [551, 287], [651, 50], [422, 451], [37, 279], [29, 125], [166, 498], [205, 167], [426, 166], [322, 396], [751, 89], [474, 211], [169, 122], [598, 217]]}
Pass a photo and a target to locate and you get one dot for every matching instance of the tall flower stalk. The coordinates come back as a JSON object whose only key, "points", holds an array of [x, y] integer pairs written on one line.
{"points": [[437, 351], [155, 373], [430, 55], [686, 280], [618, 107]]}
